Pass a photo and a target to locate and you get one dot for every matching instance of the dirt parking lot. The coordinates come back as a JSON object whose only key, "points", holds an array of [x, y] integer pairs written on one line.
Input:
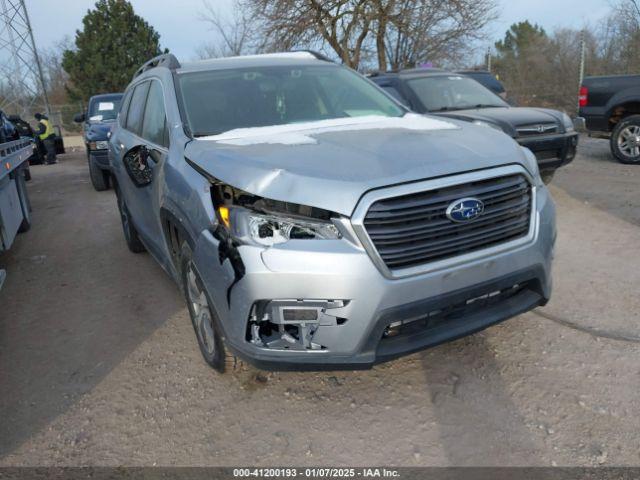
{"points": [[99, 363]]}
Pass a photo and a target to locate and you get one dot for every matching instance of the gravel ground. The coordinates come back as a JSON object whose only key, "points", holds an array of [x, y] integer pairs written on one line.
{"points": [[99, 364]]}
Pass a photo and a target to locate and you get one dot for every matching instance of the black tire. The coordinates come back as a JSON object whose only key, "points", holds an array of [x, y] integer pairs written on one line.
{"points": [[625, 140], [207, 329], [25, 204], [130, 233], [547, 176], [99, 178]]}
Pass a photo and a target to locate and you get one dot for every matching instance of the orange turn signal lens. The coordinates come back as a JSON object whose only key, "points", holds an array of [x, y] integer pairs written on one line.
{"points": [[223, 213]]}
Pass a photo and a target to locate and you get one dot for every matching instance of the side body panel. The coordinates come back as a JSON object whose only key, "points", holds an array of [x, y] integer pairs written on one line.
{"points": [[605, 94]]}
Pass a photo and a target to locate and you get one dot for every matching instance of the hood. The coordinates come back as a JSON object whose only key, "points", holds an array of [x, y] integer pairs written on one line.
{"points": [[508, 118], [332, 168], [98, 131]]}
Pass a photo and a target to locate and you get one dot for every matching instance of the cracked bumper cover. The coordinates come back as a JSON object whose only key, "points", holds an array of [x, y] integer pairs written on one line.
{"points": [[338, 269]]}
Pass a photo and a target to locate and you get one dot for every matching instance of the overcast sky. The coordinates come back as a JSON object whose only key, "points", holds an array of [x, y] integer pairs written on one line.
{"points": [[182, 32]]}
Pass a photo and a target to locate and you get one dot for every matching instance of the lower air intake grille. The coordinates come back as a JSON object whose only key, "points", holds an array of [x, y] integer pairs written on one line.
{"points": [[413, 229]]}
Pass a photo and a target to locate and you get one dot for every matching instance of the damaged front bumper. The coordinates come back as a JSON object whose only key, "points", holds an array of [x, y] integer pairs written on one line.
{"points": [[325, 305]]}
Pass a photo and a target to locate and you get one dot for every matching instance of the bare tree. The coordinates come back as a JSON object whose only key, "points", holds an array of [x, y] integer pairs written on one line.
{"points": [[435, 30], [399, 32], [620, 37], [342, 25], [234, 32], [56, 78]]}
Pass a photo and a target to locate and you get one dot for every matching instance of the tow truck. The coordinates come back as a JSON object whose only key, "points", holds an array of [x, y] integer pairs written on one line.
{"points": [[15, 209]]}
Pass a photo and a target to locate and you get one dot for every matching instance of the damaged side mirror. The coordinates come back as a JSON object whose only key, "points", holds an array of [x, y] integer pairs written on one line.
{"points": [[139, 165]]}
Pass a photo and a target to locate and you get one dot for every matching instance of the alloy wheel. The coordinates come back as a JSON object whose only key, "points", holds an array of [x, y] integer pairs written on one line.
{"points": [[629, 141], [202, 318]]}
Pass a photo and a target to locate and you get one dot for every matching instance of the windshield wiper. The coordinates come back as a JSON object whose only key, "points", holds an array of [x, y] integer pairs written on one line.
{"points": [[487, 105], [467, 107]]}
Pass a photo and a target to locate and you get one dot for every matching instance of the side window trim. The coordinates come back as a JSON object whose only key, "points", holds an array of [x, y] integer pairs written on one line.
{"points": [[164, 107], [124, 108]]}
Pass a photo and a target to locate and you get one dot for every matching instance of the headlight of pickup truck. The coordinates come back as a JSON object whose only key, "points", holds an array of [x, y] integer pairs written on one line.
{"points": [[568, 123], [274, 228], [99, 145]]}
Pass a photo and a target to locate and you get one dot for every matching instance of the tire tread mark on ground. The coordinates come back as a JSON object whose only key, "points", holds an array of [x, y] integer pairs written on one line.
{"points": [[620, 337]]}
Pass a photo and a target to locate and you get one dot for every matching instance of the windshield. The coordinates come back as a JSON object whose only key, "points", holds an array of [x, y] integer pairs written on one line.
{"points": [[217, 101], [104, 108], [453, 92]]}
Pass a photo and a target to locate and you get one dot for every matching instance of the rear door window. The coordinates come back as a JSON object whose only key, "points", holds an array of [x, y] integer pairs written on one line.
{"points": [[136, 108], [124, 108], [155, 119]]}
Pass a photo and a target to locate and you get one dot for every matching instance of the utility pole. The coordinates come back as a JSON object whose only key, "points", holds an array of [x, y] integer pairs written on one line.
{"points": [[488, 59], [22, 82], [583, 51]]}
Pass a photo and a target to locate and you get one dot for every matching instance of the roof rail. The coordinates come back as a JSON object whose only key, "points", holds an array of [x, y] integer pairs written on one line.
{"points": [[167, 60], [318, 55]]}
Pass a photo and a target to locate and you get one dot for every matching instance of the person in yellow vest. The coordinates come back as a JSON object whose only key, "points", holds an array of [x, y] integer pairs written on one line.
{"points": [[47, 135]]}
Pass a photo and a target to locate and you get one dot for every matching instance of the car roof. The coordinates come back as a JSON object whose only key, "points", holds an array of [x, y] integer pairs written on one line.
{"points": [[413, 73], [248, 61]]}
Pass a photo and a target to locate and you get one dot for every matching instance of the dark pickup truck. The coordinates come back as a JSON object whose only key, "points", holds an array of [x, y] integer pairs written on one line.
{"points": [[610, 107], [97, 122]]}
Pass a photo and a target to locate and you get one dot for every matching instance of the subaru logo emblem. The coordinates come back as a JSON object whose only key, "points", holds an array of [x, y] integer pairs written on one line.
{"points": [[541, 129], [465, 210]]}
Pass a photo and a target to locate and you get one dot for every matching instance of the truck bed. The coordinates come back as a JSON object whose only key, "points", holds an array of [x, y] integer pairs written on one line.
{"points": [[14, 202]]}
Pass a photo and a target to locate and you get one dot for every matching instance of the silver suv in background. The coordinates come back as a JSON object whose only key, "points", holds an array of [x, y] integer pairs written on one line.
{"points": [[313, 222]]}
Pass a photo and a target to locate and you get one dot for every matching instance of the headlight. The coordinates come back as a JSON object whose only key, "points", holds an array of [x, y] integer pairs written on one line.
{"points": [[101, 145], [568, 123], [271, 229], [482, 123]]}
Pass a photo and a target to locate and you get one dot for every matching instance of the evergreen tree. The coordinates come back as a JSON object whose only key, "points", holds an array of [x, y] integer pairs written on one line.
{"points": [[519, 38], [113, 43]]}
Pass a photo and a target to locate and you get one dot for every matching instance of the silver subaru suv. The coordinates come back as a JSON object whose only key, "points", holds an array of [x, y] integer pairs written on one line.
{"points": [[312, 222]]}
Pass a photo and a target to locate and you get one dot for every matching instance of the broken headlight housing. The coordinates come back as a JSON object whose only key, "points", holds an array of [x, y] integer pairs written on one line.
{"points": [[273, 228]]}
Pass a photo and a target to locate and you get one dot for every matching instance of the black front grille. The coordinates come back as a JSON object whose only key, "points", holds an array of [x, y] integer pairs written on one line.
{"points": [[455, 311], [413, 229]]}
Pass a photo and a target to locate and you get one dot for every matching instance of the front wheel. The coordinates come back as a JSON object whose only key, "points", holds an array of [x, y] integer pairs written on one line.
{"points": [[99, 178], [625, 140], [204, 319]]}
